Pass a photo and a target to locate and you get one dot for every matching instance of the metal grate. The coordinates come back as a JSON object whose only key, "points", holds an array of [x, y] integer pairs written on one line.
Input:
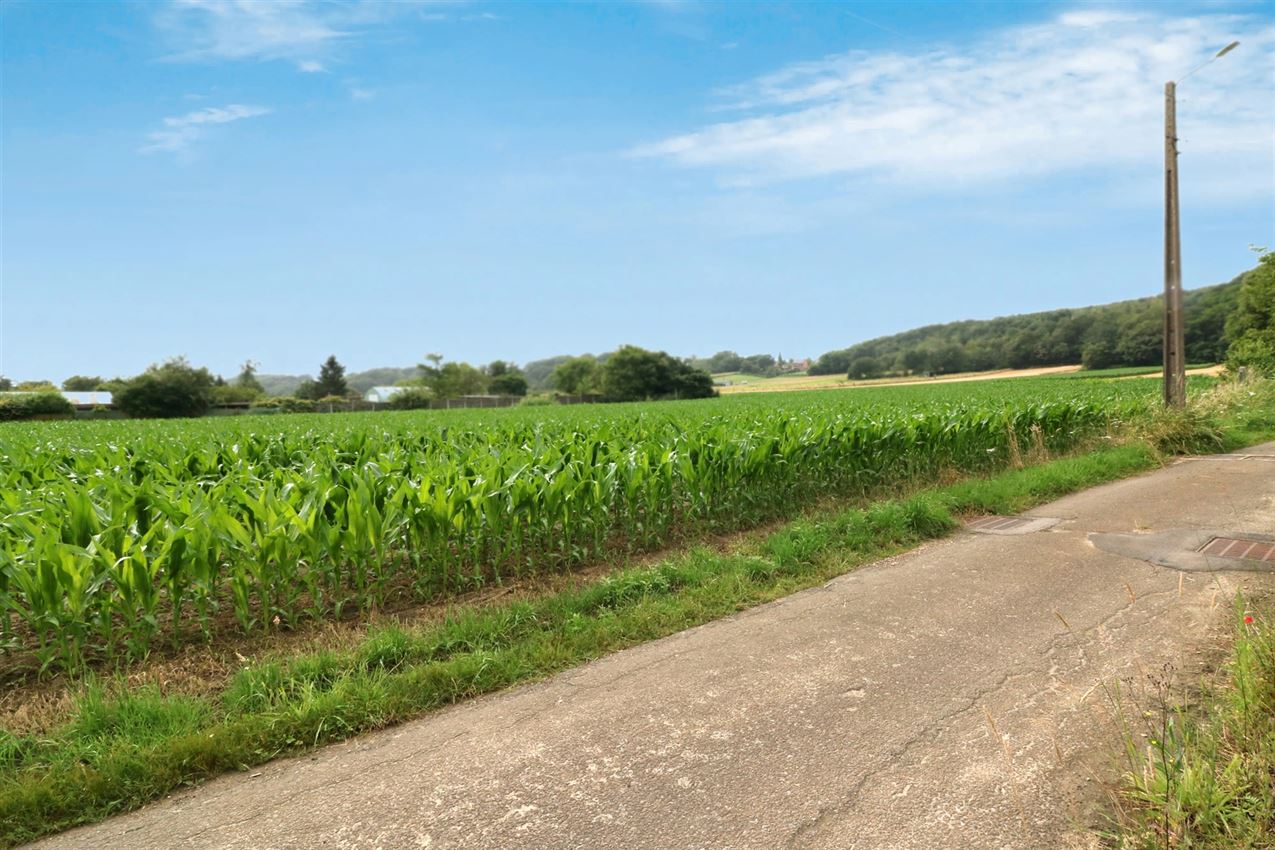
{"points": [[998, 523], [1012, 525], [1240, 549]]}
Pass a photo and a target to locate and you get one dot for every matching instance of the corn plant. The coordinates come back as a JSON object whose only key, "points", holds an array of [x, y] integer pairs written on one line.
{"points": [[114, 535]]}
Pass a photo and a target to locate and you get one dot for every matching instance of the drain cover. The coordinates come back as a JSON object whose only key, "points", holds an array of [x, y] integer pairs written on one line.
{"points": [[1010, 524], [1194, 549], [1240, 549]]}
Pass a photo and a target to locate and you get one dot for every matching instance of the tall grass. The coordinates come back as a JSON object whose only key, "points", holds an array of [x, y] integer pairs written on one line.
{"points": [[1204, 778]]}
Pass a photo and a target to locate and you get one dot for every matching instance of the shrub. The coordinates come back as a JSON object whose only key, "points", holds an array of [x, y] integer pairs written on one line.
{"points": [[31, 405], [508, 383], [1256, 350], [1252, 325], [415, 398], [172, 389], [284, 404], [1191, 430], [234, 393], [863, 367], [633, 374]]}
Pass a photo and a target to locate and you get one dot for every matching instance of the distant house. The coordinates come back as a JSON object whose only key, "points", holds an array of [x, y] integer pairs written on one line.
{"points": [[382, 395], [795, 366], [87, 399]]}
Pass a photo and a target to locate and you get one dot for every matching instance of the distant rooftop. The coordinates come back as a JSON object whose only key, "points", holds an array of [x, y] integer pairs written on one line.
{"points": [[87, 398], [380, 395]]}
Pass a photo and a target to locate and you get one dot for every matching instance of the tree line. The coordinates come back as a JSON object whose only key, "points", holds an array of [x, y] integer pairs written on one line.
{"points": [[1126, 333], [176, 388], [765, 365], [1234, 321]]}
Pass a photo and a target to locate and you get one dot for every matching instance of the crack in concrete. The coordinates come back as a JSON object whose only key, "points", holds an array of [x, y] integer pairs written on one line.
{"points": [[944, 723]]}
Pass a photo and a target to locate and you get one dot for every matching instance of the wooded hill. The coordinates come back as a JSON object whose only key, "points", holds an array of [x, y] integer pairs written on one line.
{"points": [[1126, 333]]}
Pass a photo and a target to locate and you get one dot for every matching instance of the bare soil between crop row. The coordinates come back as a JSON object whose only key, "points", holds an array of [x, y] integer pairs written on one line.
{"points": [[32, 703]]}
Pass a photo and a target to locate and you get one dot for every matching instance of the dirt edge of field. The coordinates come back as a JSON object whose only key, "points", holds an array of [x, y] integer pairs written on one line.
{"points": [[832, 382]]}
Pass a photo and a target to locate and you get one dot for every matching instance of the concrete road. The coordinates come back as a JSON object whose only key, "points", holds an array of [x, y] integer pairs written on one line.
{"points": [[868, 713]]}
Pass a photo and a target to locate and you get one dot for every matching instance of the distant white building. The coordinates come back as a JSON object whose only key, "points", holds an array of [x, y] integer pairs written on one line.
{"points": [[86, 399], [382, 395]]}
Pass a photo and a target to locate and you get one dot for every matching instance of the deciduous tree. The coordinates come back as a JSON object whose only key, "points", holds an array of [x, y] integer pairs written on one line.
{"points": [[1252, 326], [174, 388], [578, 376], [633, 374], [505, 378], [82, 383]]}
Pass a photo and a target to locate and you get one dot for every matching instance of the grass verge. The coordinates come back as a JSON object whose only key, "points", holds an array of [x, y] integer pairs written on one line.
{"points": [[1205, 778], [121, 747]]}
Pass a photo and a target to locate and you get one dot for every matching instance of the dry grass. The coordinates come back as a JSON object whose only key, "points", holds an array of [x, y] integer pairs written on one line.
{"points": [[1199, 763], [796, 383]]}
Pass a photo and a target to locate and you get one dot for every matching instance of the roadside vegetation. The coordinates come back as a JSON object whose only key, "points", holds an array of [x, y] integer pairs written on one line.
{"points": [[1199, 765], [1251, 327], [112, 737], [1202, 776]]}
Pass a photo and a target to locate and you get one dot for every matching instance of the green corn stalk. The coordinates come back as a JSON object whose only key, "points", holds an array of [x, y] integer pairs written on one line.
{"points": [[138, 524]]}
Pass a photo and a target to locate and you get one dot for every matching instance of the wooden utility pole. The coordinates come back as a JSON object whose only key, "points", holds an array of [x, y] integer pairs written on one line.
{"points": [[1174, 335], [1174, 322]]}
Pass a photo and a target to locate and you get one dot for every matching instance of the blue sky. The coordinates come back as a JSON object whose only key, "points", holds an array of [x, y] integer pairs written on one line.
{"points": [[279, 181]]}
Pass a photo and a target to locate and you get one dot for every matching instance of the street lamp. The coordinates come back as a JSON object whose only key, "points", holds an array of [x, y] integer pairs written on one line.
{"points": [[1174, 333]]}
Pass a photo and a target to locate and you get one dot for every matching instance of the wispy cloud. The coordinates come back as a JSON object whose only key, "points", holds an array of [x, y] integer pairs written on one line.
{"points": [[199, 30], [1080, 91], [302, 31], [181, 131]]}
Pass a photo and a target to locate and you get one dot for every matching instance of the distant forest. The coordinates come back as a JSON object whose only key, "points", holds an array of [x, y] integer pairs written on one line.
{"points": [[1126, 333]]}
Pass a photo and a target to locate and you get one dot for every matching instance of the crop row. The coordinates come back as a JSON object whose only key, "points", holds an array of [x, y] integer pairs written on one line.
{"points": [[115, 536]]}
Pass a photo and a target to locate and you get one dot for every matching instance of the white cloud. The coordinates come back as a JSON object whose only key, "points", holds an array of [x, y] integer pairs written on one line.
{"points": [[1082, 91], [180, 132], [245, 29], [303, 31], [361, 94], [1094, 18]]}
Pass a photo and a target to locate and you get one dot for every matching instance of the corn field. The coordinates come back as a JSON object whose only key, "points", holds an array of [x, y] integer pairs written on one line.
{"points": [[115, 536]]}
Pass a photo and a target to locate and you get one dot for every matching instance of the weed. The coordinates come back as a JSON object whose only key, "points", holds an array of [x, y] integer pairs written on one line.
{"points": [[1204, 779]]}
